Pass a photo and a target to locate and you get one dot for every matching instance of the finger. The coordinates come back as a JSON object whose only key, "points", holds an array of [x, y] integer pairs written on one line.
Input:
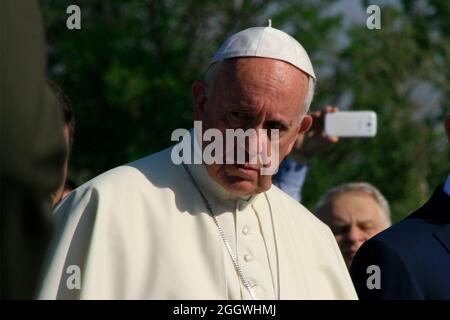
{"points": [[331, 109], [316, 114], [334, 109], [328, 109], [333, 139], [330, 139]]}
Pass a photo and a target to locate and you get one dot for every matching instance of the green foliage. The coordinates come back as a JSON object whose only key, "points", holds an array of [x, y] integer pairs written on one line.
{"points": [[130, 68], [384, 70]]}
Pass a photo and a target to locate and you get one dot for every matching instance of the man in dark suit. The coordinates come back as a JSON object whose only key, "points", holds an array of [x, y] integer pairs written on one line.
{"points": [[410, 260]]}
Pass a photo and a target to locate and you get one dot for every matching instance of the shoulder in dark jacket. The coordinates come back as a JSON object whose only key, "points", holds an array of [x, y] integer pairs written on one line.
{"points": [[410, 260]]}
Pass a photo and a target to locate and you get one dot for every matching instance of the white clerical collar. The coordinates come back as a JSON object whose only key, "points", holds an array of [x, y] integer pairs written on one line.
{"points": [[201, 175], [447, 186]]}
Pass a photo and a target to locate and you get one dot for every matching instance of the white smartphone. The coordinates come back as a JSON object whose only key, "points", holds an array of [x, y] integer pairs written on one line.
{"points": [[351, 124]]}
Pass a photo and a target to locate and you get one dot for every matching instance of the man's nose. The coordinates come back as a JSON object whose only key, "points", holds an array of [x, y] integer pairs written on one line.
{"points": [[257, 142], [355, 235]]}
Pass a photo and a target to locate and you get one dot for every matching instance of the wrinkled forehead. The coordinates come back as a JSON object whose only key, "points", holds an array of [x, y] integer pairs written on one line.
{"points": [[355, 205], [255, 67], [266, 76]]}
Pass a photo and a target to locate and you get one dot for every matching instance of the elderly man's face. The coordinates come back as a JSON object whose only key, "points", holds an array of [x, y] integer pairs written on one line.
{"points": [[354, 218], [256, 93]]}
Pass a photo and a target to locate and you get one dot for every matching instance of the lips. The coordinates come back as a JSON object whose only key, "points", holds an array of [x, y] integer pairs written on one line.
{"points": [[248, 167], [243, 171]]}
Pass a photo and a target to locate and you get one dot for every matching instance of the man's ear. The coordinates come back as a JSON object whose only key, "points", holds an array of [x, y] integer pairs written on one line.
{"points": [[304, 126], [447, 127], [199, 90]]}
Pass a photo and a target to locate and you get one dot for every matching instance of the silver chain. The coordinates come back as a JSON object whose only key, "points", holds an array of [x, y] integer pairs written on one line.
{"points": [[238, 268]]}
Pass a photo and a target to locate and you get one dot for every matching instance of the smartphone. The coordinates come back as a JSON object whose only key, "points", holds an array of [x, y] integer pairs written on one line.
{"points": [[348, 124]]}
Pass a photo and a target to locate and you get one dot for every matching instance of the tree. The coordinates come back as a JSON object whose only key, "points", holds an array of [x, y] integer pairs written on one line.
{"points": [[129, 72]]}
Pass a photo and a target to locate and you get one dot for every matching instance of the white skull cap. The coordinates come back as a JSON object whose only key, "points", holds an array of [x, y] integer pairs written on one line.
{"points": [[265, 42]]}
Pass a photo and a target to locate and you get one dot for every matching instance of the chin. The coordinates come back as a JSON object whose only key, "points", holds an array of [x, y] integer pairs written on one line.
{"points": [[241, 188]]}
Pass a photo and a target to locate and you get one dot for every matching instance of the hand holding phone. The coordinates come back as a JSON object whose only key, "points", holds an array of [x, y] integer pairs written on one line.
{"points": [[348, 124]]}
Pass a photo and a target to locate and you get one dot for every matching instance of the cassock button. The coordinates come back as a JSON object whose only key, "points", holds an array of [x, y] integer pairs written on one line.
{"points": [[245, 230], [248, 257]]}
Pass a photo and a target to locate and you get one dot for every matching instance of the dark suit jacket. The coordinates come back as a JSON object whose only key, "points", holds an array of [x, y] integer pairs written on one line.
{"points": [[413, 255]]}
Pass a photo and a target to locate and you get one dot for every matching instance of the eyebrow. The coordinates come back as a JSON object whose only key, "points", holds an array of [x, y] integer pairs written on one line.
{"points": [[365, 222], [340, 222], [280, 122], [246, 108]]}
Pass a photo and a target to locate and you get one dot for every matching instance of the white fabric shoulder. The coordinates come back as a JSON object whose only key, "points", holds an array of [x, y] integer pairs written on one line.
{"points": [[299, 209]]}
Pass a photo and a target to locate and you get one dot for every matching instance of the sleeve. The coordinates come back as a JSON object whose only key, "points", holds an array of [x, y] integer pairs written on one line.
{"points": [[380, 273], [291, 177], [71, 246]]}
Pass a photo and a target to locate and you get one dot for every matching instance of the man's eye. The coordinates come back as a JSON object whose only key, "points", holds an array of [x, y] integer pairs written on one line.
{"points": [[238, 115], [275, 125], [340, 229], [366, 227]]}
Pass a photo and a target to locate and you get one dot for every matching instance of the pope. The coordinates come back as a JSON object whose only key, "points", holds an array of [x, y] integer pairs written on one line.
{"points": [[154, 229]]}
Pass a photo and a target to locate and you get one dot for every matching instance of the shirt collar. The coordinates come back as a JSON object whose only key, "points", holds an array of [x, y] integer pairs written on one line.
{"points": [[447, 186]]}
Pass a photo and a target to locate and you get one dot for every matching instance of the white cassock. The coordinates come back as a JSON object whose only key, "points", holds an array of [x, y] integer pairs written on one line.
{"points": [[143, 231]]}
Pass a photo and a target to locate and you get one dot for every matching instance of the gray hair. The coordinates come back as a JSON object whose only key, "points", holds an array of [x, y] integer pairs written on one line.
{"points": [[357, 187], [212, 72]]}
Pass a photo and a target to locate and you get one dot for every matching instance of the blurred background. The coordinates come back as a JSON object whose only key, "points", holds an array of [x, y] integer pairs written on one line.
{"points": [[129, 70]]}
